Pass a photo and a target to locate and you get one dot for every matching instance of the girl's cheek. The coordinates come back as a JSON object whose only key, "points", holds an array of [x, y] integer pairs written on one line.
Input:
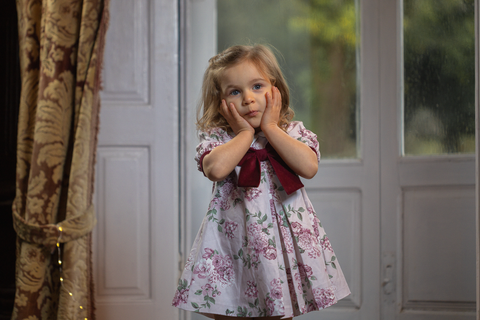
{"points": [[234, 101]]}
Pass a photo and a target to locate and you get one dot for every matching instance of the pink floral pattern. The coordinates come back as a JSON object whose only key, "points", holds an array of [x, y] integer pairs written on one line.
{"points": [[259, 233], [287, 239], [252, 193], [324, 297], [274, 299], [230, 228], [181, 295], [325, 243], [216, 267], [251, 291]]}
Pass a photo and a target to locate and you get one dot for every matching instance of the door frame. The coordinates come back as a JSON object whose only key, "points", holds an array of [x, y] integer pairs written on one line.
{"points": [[477, 152]]}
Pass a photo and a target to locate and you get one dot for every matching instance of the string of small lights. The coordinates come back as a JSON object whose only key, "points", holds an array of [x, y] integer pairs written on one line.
{"points": [[59, 250]]}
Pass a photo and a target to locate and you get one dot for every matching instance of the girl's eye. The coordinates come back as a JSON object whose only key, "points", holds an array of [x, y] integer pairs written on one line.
{"points": [[234, 92], [257, 86]]}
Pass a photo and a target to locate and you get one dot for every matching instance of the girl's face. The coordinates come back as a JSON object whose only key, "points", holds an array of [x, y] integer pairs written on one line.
{"points": [[245, 86]]}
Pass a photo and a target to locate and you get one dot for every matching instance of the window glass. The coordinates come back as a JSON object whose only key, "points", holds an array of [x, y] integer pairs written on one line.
{"points": [[317, 50], [439, 77]]}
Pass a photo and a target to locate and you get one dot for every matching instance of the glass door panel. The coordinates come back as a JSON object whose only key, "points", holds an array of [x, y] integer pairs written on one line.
{"points": [[439, 77], [318, 51]]}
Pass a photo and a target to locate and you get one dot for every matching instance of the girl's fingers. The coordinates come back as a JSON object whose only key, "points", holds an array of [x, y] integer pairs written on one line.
{"points": [[223, 108], [228, 111], [233, 110], [271, 97], [236, 122], [269, 100], [277, 97], [274, 99], [272, 109], [234, 113]]}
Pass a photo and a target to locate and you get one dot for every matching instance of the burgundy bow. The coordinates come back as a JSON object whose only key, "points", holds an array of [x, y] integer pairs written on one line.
{"points": [[250, 172]]}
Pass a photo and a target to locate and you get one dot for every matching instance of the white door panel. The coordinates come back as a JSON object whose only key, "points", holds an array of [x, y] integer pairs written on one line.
{"points": [[427, 208], [137, 164]]}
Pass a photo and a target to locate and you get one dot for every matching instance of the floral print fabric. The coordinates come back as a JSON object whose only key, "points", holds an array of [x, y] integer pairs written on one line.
{"points": [[259, 251], [60, 50]]}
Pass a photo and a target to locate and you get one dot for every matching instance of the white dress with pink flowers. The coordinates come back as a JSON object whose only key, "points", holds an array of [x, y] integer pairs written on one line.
{"points": [[259, 252]]}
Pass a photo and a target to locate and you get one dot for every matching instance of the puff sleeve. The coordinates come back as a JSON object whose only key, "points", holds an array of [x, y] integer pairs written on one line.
{"points": [[297, 130], [208, 141]]}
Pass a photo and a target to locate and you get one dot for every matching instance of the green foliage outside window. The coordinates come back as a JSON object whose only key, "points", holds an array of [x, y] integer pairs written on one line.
{"points": [[439, 76]]}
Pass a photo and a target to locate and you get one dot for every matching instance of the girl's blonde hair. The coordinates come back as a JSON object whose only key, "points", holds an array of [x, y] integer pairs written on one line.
{"points": [[263, 58]]}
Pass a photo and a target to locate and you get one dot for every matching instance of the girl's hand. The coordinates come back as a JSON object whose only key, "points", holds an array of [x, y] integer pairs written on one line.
{"points": [[271, 116], [219, 163], [236, 122], [297, 155]]}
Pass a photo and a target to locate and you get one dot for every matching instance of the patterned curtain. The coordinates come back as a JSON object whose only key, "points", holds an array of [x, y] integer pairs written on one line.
{"points": [[61, 48]]}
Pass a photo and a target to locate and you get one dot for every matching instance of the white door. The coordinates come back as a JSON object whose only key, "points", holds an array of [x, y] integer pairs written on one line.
{"points": [[427, 198], [402, 226], [135, 240]]}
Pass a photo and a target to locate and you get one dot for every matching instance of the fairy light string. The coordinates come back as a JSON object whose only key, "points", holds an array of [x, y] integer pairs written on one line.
{"points": [[60, 263]]}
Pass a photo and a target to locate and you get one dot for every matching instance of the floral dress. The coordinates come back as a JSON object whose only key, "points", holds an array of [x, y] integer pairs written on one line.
{"points": [[259, 252]]}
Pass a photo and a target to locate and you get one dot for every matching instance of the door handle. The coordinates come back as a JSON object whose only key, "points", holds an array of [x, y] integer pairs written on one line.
{"points": [[387, 283]]}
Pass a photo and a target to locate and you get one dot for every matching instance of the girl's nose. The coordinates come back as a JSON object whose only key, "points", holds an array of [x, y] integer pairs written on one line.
{"points": [[247, 98]]}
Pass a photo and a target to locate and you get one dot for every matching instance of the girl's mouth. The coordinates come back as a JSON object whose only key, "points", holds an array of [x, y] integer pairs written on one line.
{"points": [[252, 113]]}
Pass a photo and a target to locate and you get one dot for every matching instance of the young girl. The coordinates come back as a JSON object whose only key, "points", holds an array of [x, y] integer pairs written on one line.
{"points": [[261, 251]]}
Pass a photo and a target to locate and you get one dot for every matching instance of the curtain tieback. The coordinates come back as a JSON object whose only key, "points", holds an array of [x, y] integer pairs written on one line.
{"points": [[48, 234], [250, 172]]}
